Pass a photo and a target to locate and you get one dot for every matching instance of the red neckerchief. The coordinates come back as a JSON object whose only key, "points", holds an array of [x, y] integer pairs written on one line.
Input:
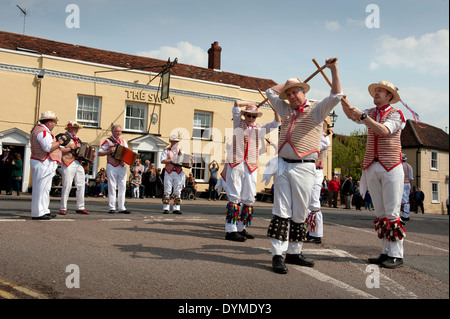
{"points": [[302, 107], [382, 110]]}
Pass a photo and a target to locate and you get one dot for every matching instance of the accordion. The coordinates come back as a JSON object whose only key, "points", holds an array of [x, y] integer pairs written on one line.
{"points": [[123, 153], [86, 152], [183, 159]]}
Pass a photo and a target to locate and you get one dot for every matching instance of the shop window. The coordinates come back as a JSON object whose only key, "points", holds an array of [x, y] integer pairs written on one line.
{"points": [[88, 110], [136, 117], [202, 125]]}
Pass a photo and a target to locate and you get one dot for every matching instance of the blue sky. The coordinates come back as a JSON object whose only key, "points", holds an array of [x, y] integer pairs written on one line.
{"points": [[274, 40]]}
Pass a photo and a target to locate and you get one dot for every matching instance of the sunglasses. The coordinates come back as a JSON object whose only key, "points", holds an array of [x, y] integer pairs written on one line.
{"points": [[251, 116]]}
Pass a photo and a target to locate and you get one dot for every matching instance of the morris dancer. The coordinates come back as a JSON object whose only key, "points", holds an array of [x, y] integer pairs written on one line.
{"points": [[298, 150], [72, 170], [241, 169], [408, 171], [45, 156], [315, 217], [382, 170], [115, 170], [174, 177]]}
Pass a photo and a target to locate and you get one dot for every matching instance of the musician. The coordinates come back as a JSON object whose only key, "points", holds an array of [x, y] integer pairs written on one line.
{"points": [[174, 177], [115, 170], [45, 157], [298, 150], [382, 169], [242, 167], [72, 170]]}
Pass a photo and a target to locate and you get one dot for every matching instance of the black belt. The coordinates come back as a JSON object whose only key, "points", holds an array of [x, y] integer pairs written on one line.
{"points": [[299, 160]]}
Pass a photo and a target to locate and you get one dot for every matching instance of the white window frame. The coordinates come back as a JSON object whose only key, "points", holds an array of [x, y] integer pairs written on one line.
{"points": [[144, 117], [205, 129], [435, 198], [434, 162], [86, 122], [203, 168]]}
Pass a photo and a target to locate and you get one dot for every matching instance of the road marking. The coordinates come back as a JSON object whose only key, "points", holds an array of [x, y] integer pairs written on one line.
{"points": [[24, 290], [114, 220], [404, 240], [6, 295], [12, 220], [386, 282], [337, 283]]}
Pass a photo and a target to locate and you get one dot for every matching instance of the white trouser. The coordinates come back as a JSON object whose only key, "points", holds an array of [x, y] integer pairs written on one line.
{"points": [[117, 178], [42, 174], [292, 194], [314, 205], [175, 181], [386, 189], [72, 173], [405, 200], [241, 188]]}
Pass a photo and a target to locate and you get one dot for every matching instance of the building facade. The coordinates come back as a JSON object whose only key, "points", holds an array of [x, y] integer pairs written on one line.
{"points": [[427, 151], [100, 88]]}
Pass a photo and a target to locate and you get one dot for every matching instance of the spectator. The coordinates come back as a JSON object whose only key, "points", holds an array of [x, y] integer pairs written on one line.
{"points": [[368, 201], [16, 173], [135, 183], [357, 196], [213, 172], [334, 187], [347, 191], [419, 197]]}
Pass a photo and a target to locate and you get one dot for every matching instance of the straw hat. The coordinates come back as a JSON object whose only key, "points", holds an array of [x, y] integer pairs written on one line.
{"points": [[174, 138], [73, 124], [252, 109], [48, 115], [387, 86], [293, 82]]}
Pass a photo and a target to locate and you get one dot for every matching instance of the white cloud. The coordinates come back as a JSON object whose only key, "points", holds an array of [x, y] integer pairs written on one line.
{"points": [[184, 51], [332, 25], [427, 54]]}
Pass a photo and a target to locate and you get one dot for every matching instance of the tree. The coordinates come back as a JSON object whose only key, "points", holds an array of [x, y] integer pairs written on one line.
{"points": [[348, 152]]}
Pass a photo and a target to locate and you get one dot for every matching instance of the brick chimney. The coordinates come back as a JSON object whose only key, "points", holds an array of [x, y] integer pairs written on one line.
{"points": [[214, 56]]}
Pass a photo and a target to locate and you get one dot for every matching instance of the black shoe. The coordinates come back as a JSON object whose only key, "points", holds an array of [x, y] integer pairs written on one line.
{"points": [[235, 236], [112, 211], [299, 260], [246, 234], [52, 215], [392, 263], [178, 212], [165, 212], [404, 219], [43, 217], [379, 260], [278, 265], [314, 240], [124, 212]]}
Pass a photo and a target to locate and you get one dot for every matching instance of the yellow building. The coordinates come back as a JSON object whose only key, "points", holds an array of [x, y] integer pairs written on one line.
{"points": [[99, 88]]}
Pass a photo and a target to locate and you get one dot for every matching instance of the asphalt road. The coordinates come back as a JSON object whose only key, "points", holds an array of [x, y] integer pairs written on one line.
{"points": [[148, 255]]}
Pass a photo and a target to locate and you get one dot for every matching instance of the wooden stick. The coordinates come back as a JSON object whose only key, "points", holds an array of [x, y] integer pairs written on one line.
{"points": [[343, 100], [266, 100], [320, 69], [262, 103]]}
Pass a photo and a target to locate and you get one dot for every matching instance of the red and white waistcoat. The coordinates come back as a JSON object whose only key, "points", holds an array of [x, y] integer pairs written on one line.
{"points": [[386, 149], [169, 168], [301, 131], [111, 141], [246, 145], [37, 153]]}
